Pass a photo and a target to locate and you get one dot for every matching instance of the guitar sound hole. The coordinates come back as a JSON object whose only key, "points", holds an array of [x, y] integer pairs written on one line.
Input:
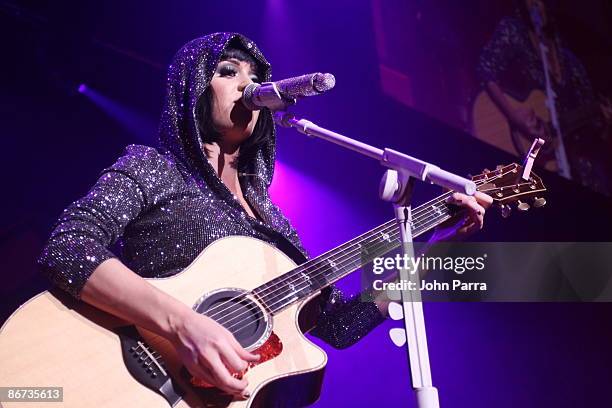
{"points": [[238, 313]]}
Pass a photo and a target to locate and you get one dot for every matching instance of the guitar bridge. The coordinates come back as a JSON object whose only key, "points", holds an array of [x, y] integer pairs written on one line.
{"points": [[146, 365]]}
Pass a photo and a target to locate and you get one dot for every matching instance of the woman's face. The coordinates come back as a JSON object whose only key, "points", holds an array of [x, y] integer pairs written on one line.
{"points": [[230, 118], [539, 5]]}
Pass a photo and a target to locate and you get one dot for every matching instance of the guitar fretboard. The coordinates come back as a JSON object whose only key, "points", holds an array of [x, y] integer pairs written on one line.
{"points": [[333, 265]]}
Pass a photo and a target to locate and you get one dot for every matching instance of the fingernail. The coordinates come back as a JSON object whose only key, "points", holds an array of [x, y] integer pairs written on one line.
{"points": [[246, 395]]}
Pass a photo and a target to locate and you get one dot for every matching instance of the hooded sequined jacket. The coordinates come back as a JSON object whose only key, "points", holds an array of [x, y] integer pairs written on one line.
{"points": [[166, 205]]}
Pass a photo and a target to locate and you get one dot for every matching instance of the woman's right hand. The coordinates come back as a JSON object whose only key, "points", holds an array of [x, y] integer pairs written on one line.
{"points": [[210, 352]]}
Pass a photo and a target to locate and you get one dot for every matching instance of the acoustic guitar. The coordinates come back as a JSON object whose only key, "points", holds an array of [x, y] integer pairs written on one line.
{"points": [[248, 286], [490, 125]]}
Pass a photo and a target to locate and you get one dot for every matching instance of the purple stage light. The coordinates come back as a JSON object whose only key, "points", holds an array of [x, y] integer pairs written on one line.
{"points": [[304, 199], [135, 122]]}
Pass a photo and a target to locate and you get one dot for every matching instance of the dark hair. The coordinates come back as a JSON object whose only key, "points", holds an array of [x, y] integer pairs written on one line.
{"points": [[210, 135], [524, 13]]}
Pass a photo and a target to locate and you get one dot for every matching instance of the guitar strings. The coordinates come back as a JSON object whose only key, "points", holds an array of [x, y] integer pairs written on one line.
{"points": [[394, 235], [291, 275], [416, 214], [341, 274], [420, 215], [347, 254], [295, 275], [384, 229]]}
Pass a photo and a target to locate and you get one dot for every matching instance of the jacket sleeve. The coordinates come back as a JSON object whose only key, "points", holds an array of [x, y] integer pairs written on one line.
{"points": [[81, 236], [345, 320]]}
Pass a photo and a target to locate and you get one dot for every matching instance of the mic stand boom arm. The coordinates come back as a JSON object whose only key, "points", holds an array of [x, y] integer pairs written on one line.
{"points": [[396, 186]]}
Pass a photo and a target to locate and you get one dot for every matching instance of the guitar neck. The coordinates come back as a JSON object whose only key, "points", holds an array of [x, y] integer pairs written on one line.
{"points": [[505, 185], [335, 264]]}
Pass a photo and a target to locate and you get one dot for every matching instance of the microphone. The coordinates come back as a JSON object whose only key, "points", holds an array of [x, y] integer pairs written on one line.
{"points": [[281, 94]]}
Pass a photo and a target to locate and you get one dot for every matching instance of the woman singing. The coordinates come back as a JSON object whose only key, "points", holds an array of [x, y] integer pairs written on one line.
{"points": [[208, 179]]}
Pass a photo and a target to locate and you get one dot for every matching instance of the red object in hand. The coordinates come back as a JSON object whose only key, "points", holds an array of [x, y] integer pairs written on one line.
{"points": [[267, 351]]}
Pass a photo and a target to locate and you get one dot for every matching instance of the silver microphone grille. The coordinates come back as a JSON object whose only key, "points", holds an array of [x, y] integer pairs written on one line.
{"points": [[306, 85], [323, 82]]}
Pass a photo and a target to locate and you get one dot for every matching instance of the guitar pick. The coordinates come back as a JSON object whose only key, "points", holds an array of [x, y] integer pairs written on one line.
{"points": [[396, 311], [398, 336]]}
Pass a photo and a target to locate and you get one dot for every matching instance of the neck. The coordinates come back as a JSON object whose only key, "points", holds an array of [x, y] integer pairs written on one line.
{"points": [[223, 157]]}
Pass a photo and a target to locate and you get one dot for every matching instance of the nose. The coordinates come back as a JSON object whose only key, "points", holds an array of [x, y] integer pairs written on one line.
{"points": [[243, 84], [245, 79]]}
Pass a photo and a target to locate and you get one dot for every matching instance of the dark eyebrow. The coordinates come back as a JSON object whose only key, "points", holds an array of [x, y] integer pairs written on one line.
{"points": [[237, 62]]}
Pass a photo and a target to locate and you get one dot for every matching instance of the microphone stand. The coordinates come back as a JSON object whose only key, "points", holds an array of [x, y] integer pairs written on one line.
{"points": [[560, 154], [396, 186]]}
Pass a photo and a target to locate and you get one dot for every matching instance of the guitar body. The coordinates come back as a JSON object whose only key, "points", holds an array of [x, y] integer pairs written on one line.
{"points": [[54, 340], [490, 125]]}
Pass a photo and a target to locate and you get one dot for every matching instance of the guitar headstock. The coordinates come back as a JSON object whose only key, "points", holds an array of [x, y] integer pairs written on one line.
{"points": [[507, 187]]}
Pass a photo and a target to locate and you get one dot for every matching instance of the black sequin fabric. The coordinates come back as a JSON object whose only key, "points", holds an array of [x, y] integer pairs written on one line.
{"points": [[164, 205], [511, 58]]}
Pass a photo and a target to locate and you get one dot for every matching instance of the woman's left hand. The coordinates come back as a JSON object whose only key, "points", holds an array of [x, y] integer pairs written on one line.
{"points": [[465, 224]]}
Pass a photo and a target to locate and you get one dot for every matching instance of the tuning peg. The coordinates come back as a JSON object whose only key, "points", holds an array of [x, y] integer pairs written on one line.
{"points": [[522, 206], [539, 202], [486, 170], [398, 336], [506, 210], [499, 167]]}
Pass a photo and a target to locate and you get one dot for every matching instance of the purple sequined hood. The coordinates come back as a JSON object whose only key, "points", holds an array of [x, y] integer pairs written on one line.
{"points": [[189, 75], [167, 206]]}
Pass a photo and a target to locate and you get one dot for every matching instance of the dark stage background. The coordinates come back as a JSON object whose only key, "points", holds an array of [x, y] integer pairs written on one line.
{"points": [[56, 140]]}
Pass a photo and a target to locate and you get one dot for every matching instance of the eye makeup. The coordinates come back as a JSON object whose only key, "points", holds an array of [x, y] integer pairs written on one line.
{"points": [[231, 68]]}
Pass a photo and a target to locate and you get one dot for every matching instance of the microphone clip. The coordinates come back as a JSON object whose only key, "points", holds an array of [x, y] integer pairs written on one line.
{"points": [[255, 96]]}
